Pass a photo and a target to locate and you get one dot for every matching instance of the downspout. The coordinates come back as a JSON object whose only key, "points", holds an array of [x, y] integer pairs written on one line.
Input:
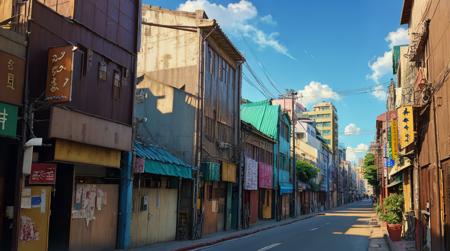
{"points": [[128, 158], [18, 181], [241, 143]]}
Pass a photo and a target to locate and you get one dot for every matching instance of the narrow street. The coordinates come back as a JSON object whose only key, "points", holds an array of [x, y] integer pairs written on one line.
{"points": [[346, 228]]}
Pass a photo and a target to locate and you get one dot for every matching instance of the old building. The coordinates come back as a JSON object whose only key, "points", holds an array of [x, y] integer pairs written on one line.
{"points": [[257, 200], [79, 86], [428, 51], [189, 52], [12, 82], [270, 120]]}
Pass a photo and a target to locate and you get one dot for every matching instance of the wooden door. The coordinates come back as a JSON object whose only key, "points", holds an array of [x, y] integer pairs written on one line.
{"points": [[34, 221], [101, 232]]}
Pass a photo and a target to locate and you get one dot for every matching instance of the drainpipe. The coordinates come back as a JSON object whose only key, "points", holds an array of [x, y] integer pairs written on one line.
{"points": [[18, 179]]}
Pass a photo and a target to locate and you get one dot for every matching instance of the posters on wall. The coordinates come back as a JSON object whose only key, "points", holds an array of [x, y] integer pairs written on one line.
{"points": [[88, 199], [251, 174], [28, 230]]}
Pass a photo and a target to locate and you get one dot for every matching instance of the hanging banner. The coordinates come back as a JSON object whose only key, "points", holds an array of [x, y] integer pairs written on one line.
{"points": [[59, 74], [251, 174], [389, 138], [8, 120], [265, 175], [43, 173], [405, 125], [12, 72], [394, 139]]}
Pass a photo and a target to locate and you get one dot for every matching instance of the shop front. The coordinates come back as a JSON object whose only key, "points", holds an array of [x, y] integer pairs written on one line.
{"points": [[70, 198], [286, 191], [213, 194], [12, 75], [158, 177]]}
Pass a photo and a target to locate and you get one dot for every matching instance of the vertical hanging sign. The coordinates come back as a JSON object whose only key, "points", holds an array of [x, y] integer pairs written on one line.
{"points": [[59, 74], [8, 120], [405, 125], [394, 139]]}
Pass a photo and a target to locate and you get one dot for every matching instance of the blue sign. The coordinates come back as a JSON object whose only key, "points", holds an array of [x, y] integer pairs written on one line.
{"points": [[389, 163]]}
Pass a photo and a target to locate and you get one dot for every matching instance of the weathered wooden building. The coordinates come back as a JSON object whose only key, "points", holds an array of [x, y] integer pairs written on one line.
{"points": [[428, 50], [257, 204], [12, 82], [188, 51], [165, 118], [271, 121], [80, 68]]}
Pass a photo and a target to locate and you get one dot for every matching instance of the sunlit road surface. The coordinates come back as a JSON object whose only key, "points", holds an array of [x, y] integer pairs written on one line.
{"points": [[347, 228]]}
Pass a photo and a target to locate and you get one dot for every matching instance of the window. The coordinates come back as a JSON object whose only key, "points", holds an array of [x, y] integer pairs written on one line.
{"points": [[102, 70], [116, 84], [211, 62], [326, 132]]}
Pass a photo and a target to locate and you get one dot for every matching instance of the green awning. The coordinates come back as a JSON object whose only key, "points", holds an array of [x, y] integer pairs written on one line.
{"points": [[210, 171], [161, 162], [397, 181]]}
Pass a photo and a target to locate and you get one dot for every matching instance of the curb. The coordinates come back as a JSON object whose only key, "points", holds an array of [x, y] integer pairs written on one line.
{"points": [[388, 241], [239, 235]]}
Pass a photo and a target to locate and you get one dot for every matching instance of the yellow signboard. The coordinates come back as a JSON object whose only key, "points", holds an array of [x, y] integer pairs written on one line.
{"points": [[394, 139], [405, 125]]}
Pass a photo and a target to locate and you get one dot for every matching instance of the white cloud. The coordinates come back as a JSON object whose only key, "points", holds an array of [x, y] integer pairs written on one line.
{"points": [[382, 65], [268, 19], [352, 129], [238, 19], [315, 92], [355, 153], [398, 37], [379, 92]]}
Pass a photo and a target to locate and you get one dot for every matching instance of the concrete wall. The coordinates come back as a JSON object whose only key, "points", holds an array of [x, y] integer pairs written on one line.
{"points": [[169, 55], [170, 117]]}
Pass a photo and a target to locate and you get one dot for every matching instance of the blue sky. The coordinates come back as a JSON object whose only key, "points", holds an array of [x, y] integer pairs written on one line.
{"points": [[324, 48]]}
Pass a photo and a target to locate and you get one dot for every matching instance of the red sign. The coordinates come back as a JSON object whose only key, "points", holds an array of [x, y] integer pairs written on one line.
{"points": [[43, 173]]}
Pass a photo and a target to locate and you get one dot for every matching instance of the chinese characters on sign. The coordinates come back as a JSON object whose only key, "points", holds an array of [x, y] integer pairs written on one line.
{"points": [[12, 70], [394, 139], [8, 120], [42, 173], [405, 125], [59, 74]]}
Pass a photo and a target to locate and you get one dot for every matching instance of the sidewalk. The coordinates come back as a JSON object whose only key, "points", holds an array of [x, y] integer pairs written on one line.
{"points": [[377, 241], [221, 236], [380, 241]]}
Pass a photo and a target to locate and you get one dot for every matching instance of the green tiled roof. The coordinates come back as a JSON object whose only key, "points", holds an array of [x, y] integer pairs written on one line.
{"points": [[263, 116]]}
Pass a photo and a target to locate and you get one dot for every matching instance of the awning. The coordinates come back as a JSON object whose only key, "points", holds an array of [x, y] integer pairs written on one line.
{"points": [[160, 161], [397, 181], [400, 167], [286, 188]]}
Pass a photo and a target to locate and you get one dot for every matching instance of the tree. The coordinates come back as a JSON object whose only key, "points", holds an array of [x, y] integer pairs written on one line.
{"points": [[371, 171], [307, 172]]}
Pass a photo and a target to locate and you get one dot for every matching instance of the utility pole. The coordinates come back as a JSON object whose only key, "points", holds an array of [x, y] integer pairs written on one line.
{"points": [[293, 95]]}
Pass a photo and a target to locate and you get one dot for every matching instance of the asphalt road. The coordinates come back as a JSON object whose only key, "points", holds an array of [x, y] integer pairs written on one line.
{"points": [[344, 229]]}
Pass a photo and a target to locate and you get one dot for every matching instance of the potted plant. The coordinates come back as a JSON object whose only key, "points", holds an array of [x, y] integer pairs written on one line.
{"points": [[392, 214]]}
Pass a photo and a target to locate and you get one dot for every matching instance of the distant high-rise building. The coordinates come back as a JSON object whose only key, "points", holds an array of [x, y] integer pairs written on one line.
{"points": [[325, 116]]}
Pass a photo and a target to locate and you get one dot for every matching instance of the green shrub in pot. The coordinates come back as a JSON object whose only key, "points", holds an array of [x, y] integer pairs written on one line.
{"points": [[393, 209]]}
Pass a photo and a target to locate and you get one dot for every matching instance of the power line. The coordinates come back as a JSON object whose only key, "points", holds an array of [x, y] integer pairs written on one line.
{"points": [[261, 65], [267, 96], [258, 81]]}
